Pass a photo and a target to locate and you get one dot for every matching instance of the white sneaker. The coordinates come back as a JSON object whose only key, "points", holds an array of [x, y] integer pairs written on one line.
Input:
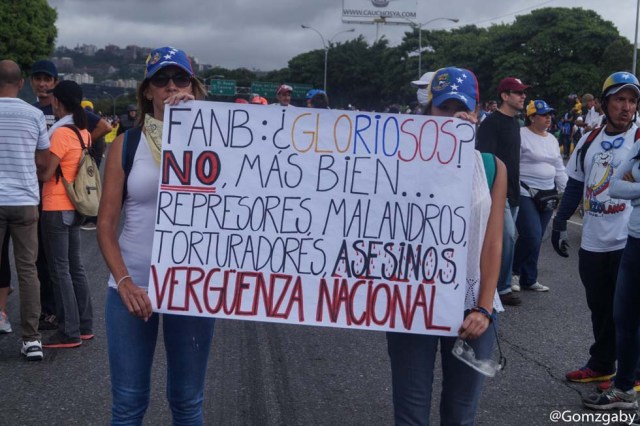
{"points": [[32, 350], [5, 325], [515, 282], [537, 287]]}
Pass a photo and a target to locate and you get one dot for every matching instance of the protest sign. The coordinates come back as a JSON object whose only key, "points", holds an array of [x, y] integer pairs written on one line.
{"points": [[316, 217]]}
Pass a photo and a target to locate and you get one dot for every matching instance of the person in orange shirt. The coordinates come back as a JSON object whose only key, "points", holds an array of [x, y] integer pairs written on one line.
{"points": [[60, 222]]}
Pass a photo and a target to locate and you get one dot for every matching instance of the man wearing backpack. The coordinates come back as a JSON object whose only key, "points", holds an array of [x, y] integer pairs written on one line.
{"points": [[604, 230]]}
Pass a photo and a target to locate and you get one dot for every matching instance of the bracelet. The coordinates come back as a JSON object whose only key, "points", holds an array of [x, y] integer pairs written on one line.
{"points": [[120, 281], [483, 311]]}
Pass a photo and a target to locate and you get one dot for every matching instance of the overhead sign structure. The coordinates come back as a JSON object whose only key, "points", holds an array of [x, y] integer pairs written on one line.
{"points": [[371, 11], [314, 217], [268, 90], [222, 87]]}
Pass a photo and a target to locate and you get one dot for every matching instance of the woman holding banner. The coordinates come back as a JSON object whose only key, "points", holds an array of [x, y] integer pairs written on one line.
{"points": [[132, 327], [454, 93]]}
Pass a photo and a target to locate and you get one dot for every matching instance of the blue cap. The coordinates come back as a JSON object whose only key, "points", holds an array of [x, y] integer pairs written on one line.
{"points": [[454, 83], [311, 93], [44, 67], [164, 57], [538, 107]]}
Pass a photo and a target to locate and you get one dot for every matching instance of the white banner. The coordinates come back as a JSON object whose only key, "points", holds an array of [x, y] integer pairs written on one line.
{"points": [[316, 217], [368, 11]]}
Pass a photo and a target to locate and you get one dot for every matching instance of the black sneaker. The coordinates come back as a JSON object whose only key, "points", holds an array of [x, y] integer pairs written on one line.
{"points": [[48, 322], [59, 340], [510, 299]]}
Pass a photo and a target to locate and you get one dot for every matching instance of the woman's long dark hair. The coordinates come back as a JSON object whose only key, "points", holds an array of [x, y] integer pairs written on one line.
{"points": [[79, 114]]}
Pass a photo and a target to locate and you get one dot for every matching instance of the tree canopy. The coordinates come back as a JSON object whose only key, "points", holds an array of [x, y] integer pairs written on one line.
{"points": [[27, 31], [558, 51]]}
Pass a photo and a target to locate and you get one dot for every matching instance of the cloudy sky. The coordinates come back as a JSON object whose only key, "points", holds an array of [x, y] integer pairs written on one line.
{"points": [[265, 34]]}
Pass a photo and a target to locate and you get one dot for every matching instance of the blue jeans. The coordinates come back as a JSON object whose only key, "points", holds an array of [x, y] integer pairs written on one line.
{"points": [[132, 343], [412, 363], [625, 315], [531, 224], [61, 236], [508, 243]]}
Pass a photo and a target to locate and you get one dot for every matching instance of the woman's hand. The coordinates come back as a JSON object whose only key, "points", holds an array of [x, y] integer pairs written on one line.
{"points": [[135, 299], [473, 325], [467, 116], [176, 98]]}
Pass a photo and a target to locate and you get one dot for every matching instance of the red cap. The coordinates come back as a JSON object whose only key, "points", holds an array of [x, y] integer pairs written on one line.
{"points": [[284, 88], [511, 83]]}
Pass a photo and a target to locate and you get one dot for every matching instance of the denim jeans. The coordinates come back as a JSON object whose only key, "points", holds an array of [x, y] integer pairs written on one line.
{"points": [[599, 273], [22, 223], [625, 315], [508, 243], [61, 235], [531, 224], [412, 363], [132, 343]]}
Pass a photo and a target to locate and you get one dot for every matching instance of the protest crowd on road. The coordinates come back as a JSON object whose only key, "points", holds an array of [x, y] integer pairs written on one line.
{"points": [[533, 164]]}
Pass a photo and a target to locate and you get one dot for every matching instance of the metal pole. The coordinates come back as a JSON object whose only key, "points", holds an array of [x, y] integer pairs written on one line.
{"points": [[635, 40], [420, 51], [326, 57]]}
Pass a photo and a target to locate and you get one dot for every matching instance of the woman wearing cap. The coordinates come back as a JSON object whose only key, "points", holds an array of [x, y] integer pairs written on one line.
{"points": [[60, 224], [541, 168], [413, 356], [132, 328]]}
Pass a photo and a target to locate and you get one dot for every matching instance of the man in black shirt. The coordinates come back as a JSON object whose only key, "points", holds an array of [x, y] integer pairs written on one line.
{"points": [[499, 134]]}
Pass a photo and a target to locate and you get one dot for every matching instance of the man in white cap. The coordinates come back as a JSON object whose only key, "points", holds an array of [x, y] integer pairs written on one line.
{"points": [[422, 93]]}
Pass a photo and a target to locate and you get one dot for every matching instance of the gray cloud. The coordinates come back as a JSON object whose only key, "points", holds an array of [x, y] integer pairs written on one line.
{"points": [[265, 34]]}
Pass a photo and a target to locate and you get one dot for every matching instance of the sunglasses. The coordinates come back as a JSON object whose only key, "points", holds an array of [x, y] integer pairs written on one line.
{"points": [[517, 92], [615, 144], [181, 80]]}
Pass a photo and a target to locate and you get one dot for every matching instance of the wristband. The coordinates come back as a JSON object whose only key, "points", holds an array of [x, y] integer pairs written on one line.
{"points": [[120, 281], [483, 311]]}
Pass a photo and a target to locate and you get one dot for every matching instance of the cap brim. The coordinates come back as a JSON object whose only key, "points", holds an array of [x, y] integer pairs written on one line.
{"points": [[624, 86], [168, 64], [420, 84], [469, 102]]}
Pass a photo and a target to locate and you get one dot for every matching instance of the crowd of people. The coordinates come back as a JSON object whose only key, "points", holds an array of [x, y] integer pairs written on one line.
{"points": [[519, 180]]}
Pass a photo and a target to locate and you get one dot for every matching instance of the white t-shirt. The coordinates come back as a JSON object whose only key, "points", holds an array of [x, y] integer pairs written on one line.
{"points": [[23, 130], [592, 119], [136, 239], [605, 219], [541, 165]]}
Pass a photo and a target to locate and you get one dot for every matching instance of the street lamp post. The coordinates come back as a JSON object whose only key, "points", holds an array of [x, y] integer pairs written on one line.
{"points": [[635, 40], [419, 27], [326, 46], [114, 98]]}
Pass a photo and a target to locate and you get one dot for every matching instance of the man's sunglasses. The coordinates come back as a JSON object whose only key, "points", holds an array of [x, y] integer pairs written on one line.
{"points": [[181, 80], [517, 92]]}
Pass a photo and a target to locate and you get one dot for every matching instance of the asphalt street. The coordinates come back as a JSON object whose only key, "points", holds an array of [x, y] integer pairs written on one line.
{"points": [[272, 374]]}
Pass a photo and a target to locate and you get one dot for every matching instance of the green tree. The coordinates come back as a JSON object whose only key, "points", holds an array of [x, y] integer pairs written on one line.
{"points": [[27, 31]]}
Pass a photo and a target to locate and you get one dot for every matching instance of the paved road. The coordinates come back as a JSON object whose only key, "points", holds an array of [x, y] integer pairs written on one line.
{"points": [[270, 374]]}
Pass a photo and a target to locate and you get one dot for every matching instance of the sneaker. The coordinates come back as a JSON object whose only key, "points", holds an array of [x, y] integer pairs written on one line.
{"points": [[515, 282], [586, 375], [612, 398], [32, 350], [604, 386], [89, 226], [87, 336], [510, 299], [48, 322], [5, 325], [536, 287], [59, 340]]}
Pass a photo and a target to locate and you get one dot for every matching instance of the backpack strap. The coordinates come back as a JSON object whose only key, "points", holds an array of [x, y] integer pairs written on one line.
{"points": [[129, 148], [489, 161], [79, 136], [582, 152]]}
